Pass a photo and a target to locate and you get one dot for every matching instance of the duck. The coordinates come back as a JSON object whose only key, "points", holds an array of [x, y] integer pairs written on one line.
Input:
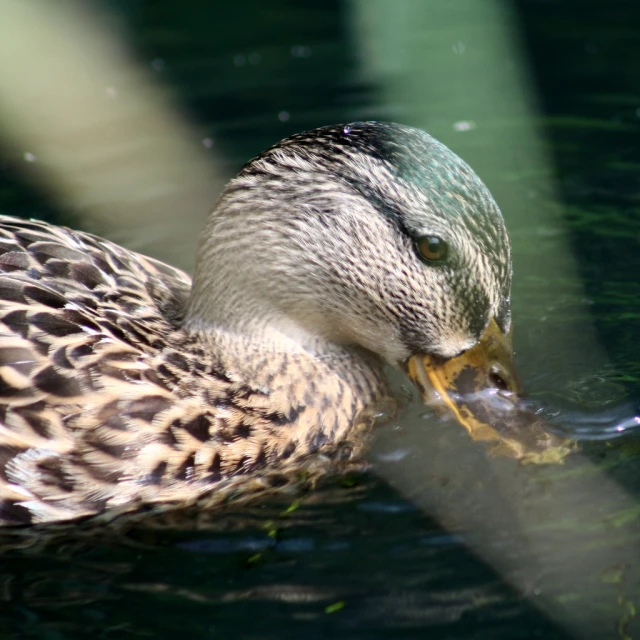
{"points": [[335, 253]]}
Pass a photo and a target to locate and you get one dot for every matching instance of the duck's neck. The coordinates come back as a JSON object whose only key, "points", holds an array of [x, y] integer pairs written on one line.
{"points": [[306, 398], [263, 319]]}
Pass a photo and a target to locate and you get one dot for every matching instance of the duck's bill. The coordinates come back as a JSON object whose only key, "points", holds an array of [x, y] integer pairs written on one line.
{"points": [[481, 389]]}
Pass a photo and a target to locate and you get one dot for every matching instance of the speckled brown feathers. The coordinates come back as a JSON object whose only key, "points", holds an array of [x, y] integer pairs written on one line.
{"points": [[122, 384], [104, 402]]}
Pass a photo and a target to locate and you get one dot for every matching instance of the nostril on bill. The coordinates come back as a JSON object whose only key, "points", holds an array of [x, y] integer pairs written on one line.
{"points": [[498, 380]]}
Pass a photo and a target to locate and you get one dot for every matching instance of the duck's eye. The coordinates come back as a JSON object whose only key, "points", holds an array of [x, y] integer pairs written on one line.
{"points": [[432, 248]]}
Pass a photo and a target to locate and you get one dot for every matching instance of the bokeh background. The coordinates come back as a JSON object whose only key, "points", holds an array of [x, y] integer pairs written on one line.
{"points": [[126, 117]]}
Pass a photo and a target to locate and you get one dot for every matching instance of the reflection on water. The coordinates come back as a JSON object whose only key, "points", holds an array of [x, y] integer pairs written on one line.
{"points": [[615, 421], [353, 559], [343, 562]]}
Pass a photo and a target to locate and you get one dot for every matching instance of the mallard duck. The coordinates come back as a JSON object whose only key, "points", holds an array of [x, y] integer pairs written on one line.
{"points": [[331, 254]]}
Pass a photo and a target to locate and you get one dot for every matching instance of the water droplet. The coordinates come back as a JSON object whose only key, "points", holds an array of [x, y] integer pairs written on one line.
{"points": [[459, 48], [300, 51], [158, 64], [284, 116], [112, 92], [30, 157], [255, 58], [207, 142], [464, 125], [239, 60]]}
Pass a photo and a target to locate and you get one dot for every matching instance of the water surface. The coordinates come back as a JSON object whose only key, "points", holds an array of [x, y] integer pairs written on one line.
{"points": [[355, 558]]}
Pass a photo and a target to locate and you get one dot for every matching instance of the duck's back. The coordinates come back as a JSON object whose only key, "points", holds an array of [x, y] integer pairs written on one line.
{"points": [[107, 404], [82, 322]]}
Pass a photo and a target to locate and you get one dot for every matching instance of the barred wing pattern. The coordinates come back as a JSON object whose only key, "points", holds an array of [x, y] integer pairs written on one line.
{"points": [[104, 403]]}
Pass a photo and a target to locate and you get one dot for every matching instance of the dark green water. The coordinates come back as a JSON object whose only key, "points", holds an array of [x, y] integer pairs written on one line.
{"points": [[356, 559]]}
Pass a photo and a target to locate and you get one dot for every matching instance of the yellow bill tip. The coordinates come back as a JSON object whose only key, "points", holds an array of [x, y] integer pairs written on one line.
{"points": [[480, 388]]}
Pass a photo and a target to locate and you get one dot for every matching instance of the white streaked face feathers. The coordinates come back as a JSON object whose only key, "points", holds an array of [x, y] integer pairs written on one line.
{"points": [[327, 252]]}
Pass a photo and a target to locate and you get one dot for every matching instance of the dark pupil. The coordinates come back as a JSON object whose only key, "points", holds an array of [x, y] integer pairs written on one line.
{"points": [[432, 248]]}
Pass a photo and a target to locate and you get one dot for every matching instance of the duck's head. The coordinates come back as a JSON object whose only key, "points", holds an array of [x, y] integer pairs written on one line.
{"points": [[372, 235]]}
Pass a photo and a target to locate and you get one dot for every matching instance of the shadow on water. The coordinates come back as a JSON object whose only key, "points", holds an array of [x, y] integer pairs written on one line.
{"points": [[352, 558], [343, 562]]}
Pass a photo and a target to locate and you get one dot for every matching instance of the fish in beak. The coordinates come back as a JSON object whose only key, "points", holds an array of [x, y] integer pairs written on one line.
{"points": [[481, 389]]}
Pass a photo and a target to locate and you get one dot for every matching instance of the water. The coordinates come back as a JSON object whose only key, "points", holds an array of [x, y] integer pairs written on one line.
{"points": [[361, 556]]}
